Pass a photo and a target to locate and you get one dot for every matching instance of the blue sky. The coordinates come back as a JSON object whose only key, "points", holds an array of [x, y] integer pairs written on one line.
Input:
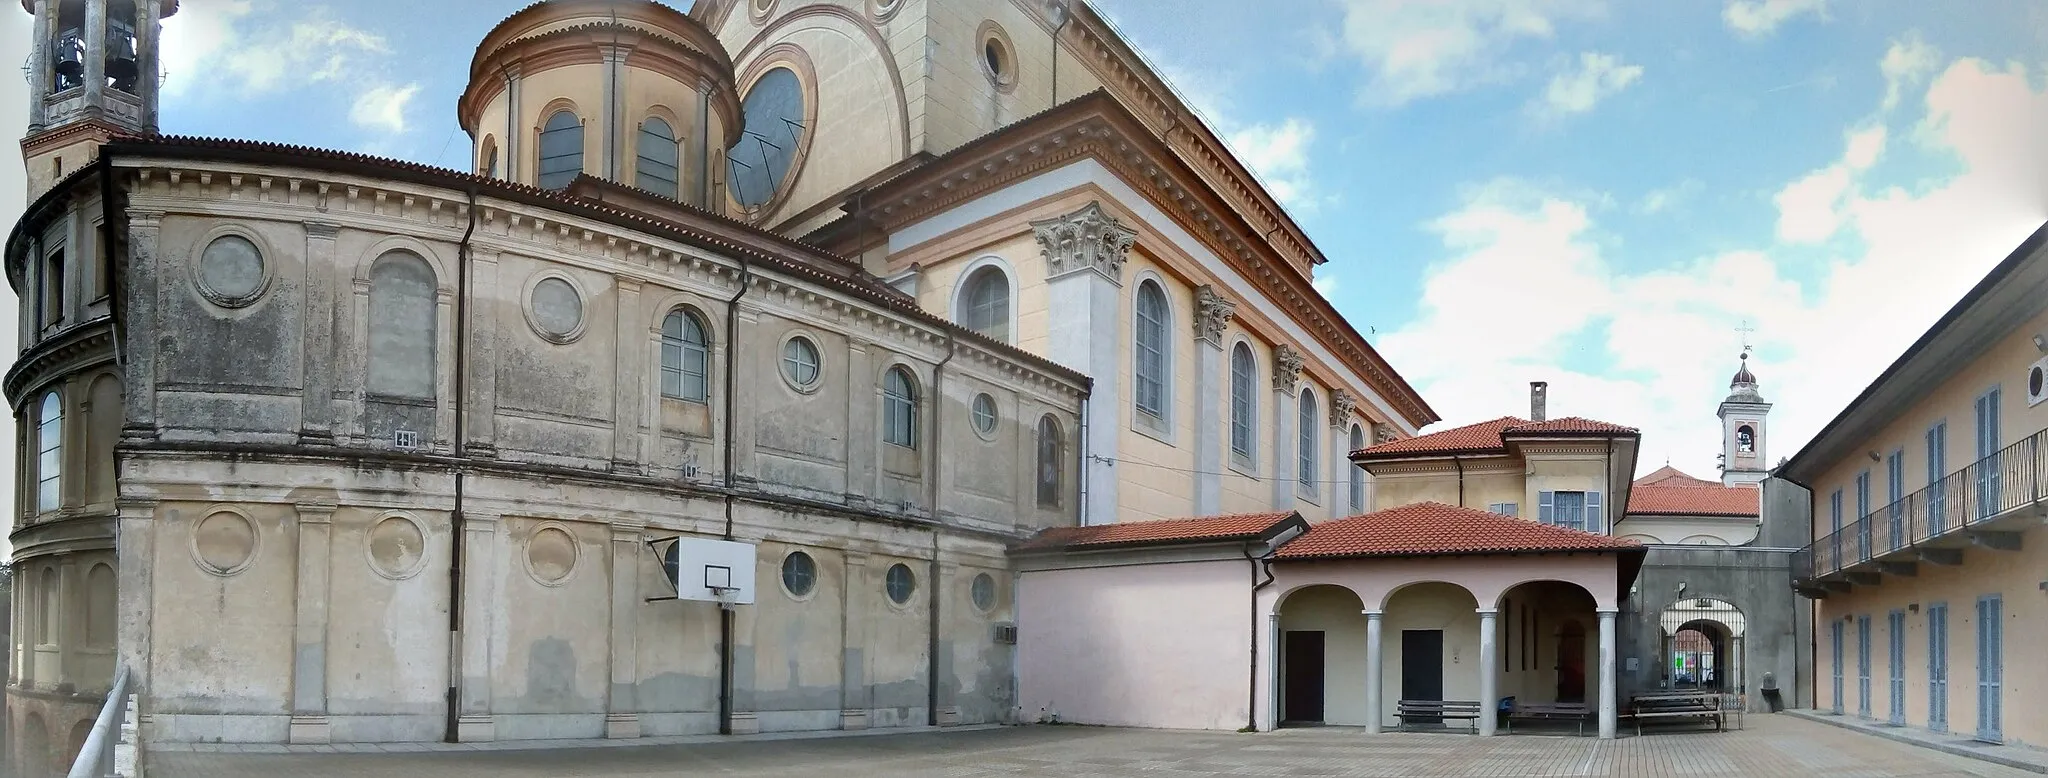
{"points": [[1589, 192]]}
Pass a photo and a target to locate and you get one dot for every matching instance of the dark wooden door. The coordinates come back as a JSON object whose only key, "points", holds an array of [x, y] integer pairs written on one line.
{"points": [[1303, 667], [1571, 663], [1422, 665]]}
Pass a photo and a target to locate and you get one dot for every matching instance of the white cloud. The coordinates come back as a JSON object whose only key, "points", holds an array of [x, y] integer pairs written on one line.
{"points": [[1810, 209], [249, 47], [1661, 200], [1527, 281], [1279, 154], [1906, 63], [383, 107], [1760, 17], [1593, 78], [1420, 48], [1325, 285]]}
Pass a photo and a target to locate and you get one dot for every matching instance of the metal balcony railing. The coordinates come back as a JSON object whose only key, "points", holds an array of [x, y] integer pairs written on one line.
{"points": [[1992, 487]]}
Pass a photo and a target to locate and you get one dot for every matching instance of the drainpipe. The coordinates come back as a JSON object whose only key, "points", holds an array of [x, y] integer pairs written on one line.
{"points": [[1081, 467], [725, 617], [1461, 480], [1251, 709], [455, 516], [931, 485], [106, 268], [1607, 505]]}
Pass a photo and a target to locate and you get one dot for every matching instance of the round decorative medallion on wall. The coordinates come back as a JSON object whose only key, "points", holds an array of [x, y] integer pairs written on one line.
{"points": [[551, 555], [760, 10], [231, 272], [397, 547], [881, 10], [224, 543], [555, 309]]}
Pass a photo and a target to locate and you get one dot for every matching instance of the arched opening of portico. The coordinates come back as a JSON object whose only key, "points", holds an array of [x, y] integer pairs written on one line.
{"points": [[1322, 657], [1548, 652], [1430, 647], [1703, 640]]}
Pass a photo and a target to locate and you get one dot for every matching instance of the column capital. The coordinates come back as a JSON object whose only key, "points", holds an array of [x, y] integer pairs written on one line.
{"points": [[1342, 401], [627, 531], [1383, 432], [1087, 239], [315, 512], [1607, 613], [1213, 313], [322, 230], [1286, 368], [1372, 615], [1487, 611]]}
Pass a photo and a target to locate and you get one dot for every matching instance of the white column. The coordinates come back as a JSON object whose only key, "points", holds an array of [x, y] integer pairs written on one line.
{"points": [[1374, 718], [1489, 676], [1273, 671], [1084, 255], [1212, 315], [1607, 709], [1286, 448]]}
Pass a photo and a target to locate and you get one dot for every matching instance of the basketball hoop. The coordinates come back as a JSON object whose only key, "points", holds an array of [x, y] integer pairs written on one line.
{"points": [[726, 596]]}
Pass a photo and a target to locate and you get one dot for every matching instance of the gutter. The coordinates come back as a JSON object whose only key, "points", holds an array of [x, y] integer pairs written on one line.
{"points": [[725, 617], [1261, 563], [1461, 480], [455, 529], [106, 238], [931, 481]]}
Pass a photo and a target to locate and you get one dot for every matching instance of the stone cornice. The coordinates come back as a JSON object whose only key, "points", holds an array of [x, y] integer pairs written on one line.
{"points": [[65, 353]]}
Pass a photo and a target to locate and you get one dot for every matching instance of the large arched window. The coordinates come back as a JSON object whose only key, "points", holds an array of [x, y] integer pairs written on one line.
{"points": [[402, 321], [899, 408], [685, 357], [50, 453], [561, 150], [774, 119], [655, 169], [1049, 462], [487, 163], [1243, 406], [1305, 478], [1357, 473], [985, 303], [1151, 347]]}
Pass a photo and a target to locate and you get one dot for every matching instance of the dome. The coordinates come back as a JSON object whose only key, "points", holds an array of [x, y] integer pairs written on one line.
{"points": [[1742, 374]]}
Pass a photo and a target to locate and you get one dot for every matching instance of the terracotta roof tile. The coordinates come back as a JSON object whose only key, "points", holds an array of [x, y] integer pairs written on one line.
{"points": [[1488, 437], [1685, 500], [1436, 529], [1671, 476], [1238, 526]]}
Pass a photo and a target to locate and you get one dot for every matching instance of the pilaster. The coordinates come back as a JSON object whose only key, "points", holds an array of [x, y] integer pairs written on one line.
{"points": [[479, 595], [629, 385], [1342, 403], [138, 381], [700, 134], [68, 625], [95, 38], [621, 718], [39, 65], [746, 327], [1084, 254], [309, 657], [854, 699], [1212, 315], [861, 440], [482, 382], [1286, 471], [514, 144], [317, 402], [148, 37], [613, 125], [352, 354]]}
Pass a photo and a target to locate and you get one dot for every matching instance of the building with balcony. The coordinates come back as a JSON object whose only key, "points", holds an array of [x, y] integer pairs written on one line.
{"points": [[1928, 562]]}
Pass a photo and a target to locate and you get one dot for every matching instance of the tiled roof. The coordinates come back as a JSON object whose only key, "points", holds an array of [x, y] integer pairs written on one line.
{"points": [[1436, 529], [1237, 526], [1671, 476], [1488, 436], [1671, 499]]}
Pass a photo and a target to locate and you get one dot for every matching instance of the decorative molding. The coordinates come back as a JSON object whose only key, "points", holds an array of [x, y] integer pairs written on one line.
{"points": [[1383, 432], [1286, 368], [1342, 401], [1087, 239], [1213, 313]]}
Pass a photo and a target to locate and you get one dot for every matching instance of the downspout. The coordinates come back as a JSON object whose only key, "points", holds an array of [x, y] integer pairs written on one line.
{"points": [[1461, 480], [1081, 466], [725, 617], [931, 485], [106, 269], [461, 434], [1251, 708], [1607, 505], [1066, 14]]}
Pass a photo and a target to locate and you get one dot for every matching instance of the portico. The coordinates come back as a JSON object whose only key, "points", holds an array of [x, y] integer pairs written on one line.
{"points": [[1430, 602]]}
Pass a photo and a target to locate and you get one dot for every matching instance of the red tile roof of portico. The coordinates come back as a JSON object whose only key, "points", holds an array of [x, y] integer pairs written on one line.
{"points": [[1716, 500], [1238, 526], [1436, 529], [1489, 437]]}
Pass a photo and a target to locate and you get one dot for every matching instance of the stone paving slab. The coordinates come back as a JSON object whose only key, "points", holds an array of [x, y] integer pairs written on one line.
{"points": [[1769, 746], [2031, 760]]}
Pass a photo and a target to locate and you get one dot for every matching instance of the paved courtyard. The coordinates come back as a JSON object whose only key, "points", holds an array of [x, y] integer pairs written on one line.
{"points": [[1770, 745]]}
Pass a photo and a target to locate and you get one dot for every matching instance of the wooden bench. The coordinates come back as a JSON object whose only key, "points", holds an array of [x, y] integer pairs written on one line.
{"points": [[1575, 712], [1438, 710], [1677, 706]]}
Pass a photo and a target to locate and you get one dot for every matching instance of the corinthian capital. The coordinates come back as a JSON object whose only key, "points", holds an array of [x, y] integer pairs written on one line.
{"points": [[1212, 314], [1286, 368], [1341, 403], [1087, 239]]}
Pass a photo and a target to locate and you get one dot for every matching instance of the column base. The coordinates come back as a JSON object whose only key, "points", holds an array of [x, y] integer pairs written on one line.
{"points": [[309, 730], [853, 719], [949, 717], [621, 726], [745, 724], [477, 728]]}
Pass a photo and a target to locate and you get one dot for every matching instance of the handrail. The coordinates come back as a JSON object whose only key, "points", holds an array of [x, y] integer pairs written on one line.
{"points": [[96, 758], [2010, 478]]}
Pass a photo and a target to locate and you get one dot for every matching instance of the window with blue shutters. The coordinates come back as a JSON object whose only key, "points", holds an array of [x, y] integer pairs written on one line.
{"points": [[1990, 669], [1895, 629], [1895, 495], [1835, 635], [1572, 510], [1835, 524], [1937, 470], [1937, 667], [1990, 476], [1863, 515], [1863, 666]]}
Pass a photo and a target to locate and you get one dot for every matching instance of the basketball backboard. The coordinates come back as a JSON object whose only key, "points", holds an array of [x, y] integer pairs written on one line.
{"points": [[703, 568]]}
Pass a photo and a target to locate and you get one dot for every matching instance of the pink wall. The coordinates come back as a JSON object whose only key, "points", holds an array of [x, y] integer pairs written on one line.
{"points": [[1164, 645]]}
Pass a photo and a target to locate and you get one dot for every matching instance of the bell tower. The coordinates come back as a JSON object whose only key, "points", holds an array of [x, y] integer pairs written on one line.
{"points": [[1742, 429], [92, 74]]}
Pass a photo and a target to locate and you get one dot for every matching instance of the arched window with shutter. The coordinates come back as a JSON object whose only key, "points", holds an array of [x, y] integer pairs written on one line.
{"points": [[1152, 351], [1357, 473], [655, 169], [1050, 461], [899, 408], [1305, 477], [985, 303], [561, 150], [1243, 402], [685, 358]]}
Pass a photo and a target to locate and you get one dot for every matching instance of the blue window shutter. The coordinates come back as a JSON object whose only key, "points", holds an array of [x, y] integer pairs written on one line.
{"points": [[1546, 508], [1593, 512]]}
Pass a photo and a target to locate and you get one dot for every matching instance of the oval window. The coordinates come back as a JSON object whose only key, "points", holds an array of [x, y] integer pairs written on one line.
{"points": [[983, 592], [900, 582], [799, 574], [231, 271], [800, 362], [984, 414]]}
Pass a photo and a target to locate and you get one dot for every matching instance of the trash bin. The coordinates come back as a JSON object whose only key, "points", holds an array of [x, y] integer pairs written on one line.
{"points": [[1772, 698]]}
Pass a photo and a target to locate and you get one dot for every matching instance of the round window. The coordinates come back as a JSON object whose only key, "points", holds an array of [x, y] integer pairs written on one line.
{"points": [[984, 414], [983, 592], [901, 583], [800, 362], [557, 309], [231, 271], [799, 574], [993, 54]]}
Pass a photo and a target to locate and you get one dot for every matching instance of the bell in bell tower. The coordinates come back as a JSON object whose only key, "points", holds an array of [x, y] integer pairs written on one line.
{"points": [[92, 74]]}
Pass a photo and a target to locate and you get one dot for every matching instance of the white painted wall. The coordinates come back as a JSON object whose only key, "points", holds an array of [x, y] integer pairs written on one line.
{"points": [[1336, 612]]}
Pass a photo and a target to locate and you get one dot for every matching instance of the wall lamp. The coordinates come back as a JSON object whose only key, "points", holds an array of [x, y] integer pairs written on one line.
{"points": [[2041, 343]]}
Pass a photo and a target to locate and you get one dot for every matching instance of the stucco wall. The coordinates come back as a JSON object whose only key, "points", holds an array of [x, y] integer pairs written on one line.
{"points": [[1754, 580], [1111, 645]]}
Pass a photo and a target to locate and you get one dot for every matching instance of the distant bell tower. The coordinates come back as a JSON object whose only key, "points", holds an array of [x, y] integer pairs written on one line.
{"points": [[92, 74], [1742, 429]]}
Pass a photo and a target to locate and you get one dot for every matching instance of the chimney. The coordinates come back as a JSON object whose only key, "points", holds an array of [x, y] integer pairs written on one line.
{"points": [[1538, 392]]}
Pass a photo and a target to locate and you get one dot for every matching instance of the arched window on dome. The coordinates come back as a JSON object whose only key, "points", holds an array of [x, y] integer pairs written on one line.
{"points": [[655, 169], [561, 150]]}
